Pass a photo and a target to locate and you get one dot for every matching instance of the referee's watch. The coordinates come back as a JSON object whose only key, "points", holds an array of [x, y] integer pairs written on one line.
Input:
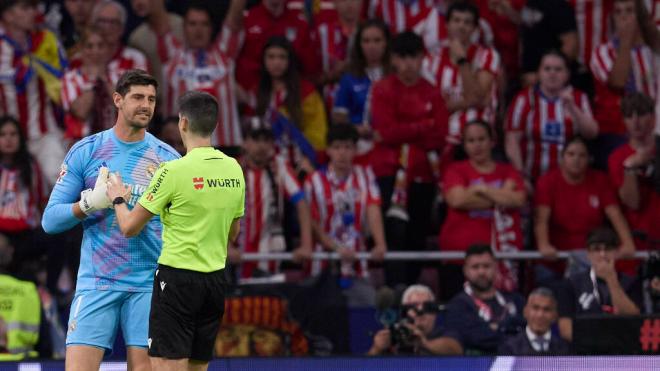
{"points": [[118, 201]]}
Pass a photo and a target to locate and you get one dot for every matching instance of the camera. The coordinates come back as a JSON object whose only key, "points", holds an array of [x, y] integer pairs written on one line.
{"points": [[401, 337]]}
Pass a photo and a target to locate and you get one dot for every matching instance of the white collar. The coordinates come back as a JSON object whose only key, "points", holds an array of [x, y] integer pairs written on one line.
{"points": [[531, 336]]}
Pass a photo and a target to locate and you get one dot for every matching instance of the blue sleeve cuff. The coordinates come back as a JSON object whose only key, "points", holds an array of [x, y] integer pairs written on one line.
{"points": [[297, 197]]}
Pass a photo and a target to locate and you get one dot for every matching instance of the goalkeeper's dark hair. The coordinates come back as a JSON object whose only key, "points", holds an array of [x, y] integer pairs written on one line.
{"points": [[133, 78]]}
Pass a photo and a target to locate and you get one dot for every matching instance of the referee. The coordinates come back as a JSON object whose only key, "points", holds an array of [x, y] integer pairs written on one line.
{"points": [[200, 199]]}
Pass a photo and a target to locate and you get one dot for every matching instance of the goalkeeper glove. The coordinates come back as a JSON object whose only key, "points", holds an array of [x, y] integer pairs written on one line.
{"points": [[92, 200]]}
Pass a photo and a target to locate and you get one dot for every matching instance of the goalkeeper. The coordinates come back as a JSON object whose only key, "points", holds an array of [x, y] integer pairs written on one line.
{"points": [[115, 276]]}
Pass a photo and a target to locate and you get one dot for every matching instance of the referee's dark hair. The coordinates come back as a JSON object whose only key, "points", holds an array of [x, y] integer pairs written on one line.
{"points": [[201, 110], [134, 77]]}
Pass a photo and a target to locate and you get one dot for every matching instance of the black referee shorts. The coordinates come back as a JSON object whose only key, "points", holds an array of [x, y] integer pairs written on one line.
{"points": [[186, 309]]}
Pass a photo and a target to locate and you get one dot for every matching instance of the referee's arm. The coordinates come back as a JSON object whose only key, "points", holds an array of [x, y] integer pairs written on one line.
{"points": [[130, 222], [234, 230]]}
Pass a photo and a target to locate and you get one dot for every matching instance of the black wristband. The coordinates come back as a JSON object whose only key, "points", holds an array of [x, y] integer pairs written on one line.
{"points": [[461, 61], [118, 200]]}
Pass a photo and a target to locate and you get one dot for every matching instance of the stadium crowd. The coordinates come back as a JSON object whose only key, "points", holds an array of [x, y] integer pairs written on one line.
{"points": [[479, 126]]}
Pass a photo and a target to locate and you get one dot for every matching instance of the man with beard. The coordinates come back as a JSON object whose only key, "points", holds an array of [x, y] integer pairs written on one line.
{"points": [[115, 275], [480, 317]]}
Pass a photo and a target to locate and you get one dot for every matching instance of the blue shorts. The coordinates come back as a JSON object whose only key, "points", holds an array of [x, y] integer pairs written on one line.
{"points": [[96, 316]]}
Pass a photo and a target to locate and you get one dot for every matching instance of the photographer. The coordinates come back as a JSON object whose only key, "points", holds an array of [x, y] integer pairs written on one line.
{"points": [[416, 333]]}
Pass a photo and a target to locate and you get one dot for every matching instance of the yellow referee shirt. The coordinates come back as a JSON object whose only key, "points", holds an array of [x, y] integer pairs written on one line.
{"points": [[197, 197]]}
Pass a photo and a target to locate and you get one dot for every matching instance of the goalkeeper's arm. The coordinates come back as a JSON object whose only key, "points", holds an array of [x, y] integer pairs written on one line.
{"points": [[62, 213]]}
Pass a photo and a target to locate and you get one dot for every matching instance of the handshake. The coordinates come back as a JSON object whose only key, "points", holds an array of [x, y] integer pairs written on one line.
{"points": [[107, 187]]}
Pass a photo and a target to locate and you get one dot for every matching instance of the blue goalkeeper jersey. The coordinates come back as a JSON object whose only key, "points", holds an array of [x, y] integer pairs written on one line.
{"points": [[108, 260]]}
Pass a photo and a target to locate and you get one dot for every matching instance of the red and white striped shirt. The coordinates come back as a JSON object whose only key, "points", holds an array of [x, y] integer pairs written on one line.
{"points": [[643, 78], [545, 127], [22, 93], [126, 58], [593, 23], [422, 17], [654, 10], [443, 73], [20, 205], [74, 84], [340, 208], [335, 44], [264, 206], [210, 70], [335, 48]]}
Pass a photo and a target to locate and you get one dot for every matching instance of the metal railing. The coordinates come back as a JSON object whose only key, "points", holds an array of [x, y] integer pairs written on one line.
{"points": [[420, 255]]}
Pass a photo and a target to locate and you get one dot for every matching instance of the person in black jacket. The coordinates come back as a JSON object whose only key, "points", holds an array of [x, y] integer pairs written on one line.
{"points": [[537, 339], [481, 317]]}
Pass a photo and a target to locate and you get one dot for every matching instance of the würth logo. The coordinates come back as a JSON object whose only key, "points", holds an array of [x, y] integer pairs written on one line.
{"points": [[198, 183]]}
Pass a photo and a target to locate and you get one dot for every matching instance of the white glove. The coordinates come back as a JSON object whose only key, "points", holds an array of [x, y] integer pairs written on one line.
{"points": [[96, 199]]}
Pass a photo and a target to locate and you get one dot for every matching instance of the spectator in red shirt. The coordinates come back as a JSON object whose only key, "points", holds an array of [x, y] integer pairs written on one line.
{"points": [[544, 117], [282, 90], [573, 200], [273, 18], [23, 196], [623, 65], [630, 168], [87, 90], [409, 119], [477, 191]]}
